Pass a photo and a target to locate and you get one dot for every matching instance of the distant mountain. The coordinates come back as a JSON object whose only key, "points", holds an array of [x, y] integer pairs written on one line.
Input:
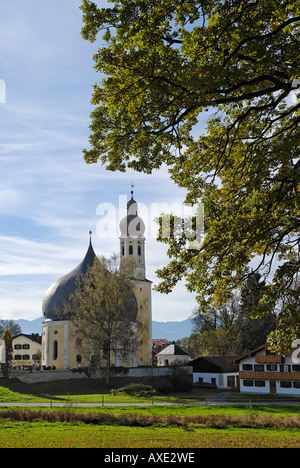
{"points": [[171, 331], [30, 326]]}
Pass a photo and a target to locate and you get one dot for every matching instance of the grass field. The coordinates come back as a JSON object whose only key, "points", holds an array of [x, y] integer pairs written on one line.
{"points": [[82, 391], [180, 426], [70, 435]]}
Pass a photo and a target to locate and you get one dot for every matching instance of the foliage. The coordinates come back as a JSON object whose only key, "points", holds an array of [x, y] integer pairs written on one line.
{"points": [[137, 389], [231, 328], [10, 325], [101, 311], [7, 366], [250, 418], [166, 63], [218, 342]]}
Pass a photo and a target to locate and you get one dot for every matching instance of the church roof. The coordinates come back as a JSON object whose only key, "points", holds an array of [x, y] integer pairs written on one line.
{"points": [[61, 290], [173, 350]]}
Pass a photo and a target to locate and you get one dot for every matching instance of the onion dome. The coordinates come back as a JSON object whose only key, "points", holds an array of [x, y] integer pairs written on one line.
{"points": [[132, 225], [61, 290]]}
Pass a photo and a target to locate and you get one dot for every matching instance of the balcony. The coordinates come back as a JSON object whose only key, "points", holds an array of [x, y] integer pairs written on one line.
{"points": [[269, 375], [269, 359]]}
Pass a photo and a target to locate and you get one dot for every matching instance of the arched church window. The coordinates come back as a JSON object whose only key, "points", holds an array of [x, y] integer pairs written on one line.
{"points": [[54, 350], [78, 342], [78, 358], [130, 250], [139, 250], [126, 350], [123, 250], [106, 350]]}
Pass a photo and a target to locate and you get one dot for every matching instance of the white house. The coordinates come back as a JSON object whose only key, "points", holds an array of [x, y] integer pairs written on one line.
{"points": [[261, 371], [215, 371], [172, 355], [25, 348]]}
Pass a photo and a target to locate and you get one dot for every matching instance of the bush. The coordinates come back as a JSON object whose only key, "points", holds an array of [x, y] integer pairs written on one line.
{"points": [[138, 390]]}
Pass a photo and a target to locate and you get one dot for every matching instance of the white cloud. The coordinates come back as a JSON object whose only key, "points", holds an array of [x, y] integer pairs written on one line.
{"points": [[48, 194]]}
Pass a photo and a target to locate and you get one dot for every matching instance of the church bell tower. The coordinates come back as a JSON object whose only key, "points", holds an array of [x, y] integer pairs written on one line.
{"points": [[132, 246], [132, 242]]}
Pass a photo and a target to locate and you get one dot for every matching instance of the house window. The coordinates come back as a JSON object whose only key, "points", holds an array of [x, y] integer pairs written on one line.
{"points": [[248, 383], [18, 357], [259, 367], [285, 384], [26, 346], [247, 367], [18, 346], [296, 384], [272, 367], [260, 383], [54, 350], [285, 368], [78, 358], [26, 357]]}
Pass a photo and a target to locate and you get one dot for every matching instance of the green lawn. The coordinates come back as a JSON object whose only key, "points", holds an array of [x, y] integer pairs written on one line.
{"points": [[152, 427], [69, 435], [80, 391], [225, 426]]}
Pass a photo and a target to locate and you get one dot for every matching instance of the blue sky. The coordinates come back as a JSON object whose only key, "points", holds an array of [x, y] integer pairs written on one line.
{"points": [[48, 194]]}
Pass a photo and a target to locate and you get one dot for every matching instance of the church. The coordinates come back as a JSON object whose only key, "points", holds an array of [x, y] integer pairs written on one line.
{"points": [[59, 349]]}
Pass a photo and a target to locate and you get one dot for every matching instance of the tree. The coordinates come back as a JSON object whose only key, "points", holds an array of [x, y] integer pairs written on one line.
{"points": [[253, 331], [102, 312], [6, 367], [219, 342], [37, 357], [233, 327], [10, 325], [165, 65]]}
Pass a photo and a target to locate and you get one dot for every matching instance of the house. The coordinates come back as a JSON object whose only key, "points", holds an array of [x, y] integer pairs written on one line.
{"points": [[215, 371], [157, 346], [172, 355], [25, 350], [261, 371]]}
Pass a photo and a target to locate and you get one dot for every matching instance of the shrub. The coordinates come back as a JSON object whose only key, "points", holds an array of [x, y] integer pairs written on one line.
{"points": [[138, 390]]}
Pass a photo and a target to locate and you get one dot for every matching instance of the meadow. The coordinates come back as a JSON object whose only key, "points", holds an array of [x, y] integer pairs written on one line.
{"points": [[147, 427], [180, 425]]}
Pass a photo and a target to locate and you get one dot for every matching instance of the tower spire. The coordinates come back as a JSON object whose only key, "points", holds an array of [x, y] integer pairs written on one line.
{"points": [[133, 241]]}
